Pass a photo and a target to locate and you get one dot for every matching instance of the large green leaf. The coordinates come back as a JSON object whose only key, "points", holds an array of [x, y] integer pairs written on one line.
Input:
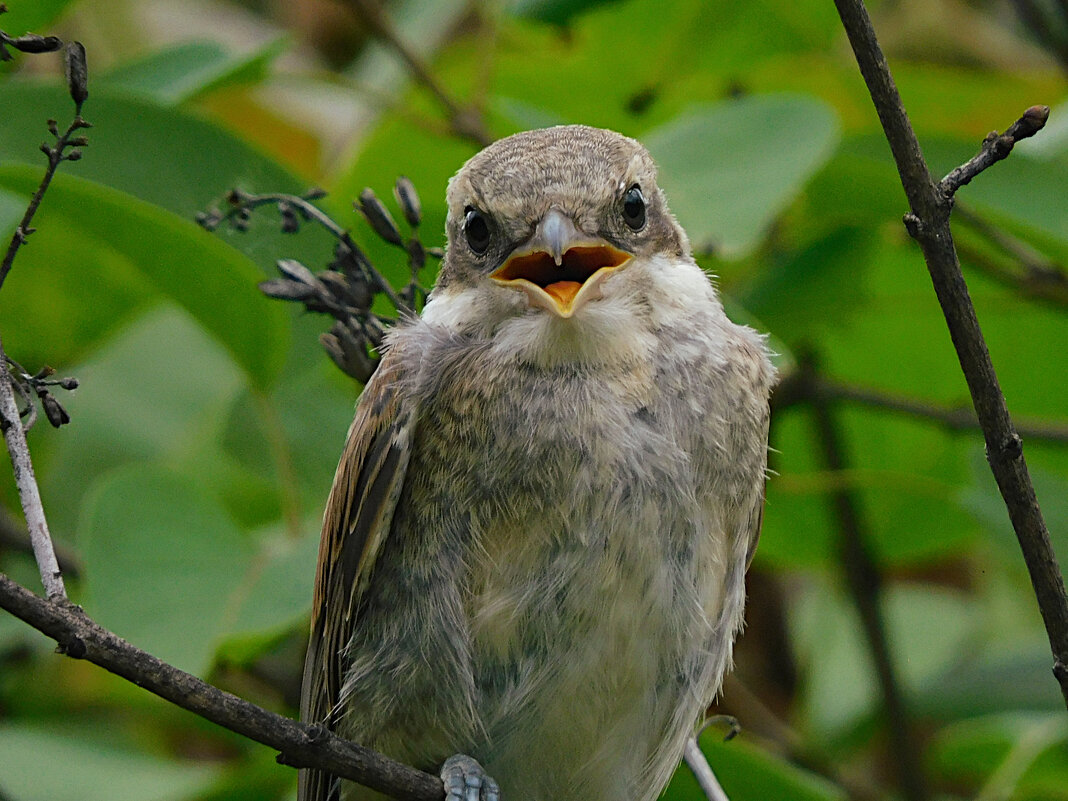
{"points": [[161, 557], [44, 764], [180, 72], [139, 249], [161, 154], [730, 169], [31, 16], [169, 570]]}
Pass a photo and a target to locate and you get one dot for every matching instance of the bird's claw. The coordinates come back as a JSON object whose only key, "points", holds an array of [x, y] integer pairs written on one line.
{"points": [[466, 780]]}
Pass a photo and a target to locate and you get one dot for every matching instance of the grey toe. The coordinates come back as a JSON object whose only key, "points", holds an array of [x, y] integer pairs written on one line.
{"points": [[466, 780]]}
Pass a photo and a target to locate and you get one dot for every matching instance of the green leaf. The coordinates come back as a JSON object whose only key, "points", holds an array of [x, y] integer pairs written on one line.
{"points": [[31, 16], [160, 391], [181, 72], [12, 207], [139, 248], [169, 570], [38, 764], [161, 559], [160, 154], [730, 169]]}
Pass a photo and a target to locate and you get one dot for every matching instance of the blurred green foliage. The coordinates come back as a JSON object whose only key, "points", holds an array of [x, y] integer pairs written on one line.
{"points": [[207, 425]]}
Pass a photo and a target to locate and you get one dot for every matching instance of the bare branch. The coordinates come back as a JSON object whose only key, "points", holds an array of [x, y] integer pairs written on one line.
{"points": [[300, 745], [465, 121], [995, 147], [64, 149], [29, 494], [865, 586], [1033, 274], [15, 539], [928, 223], [801, 387]]}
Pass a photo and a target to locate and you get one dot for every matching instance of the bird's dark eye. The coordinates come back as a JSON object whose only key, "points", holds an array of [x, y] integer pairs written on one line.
{"points": [[477, 230], [634, 208]]}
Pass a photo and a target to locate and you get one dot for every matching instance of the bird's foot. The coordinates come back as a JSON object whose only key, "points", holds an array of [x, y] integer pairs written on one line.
{"points": [[466, 780]]}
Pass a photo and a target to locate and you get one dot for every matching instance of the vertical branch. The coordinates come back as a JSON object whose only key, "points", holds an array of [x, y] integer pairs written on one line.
{"points": [[865, 587], [928, 224], [29, 494]]}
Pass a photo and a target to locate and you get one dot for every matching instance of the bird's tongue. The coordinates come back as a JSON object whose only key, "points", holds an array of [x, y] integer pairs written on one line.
{"points": [[563, 291]]}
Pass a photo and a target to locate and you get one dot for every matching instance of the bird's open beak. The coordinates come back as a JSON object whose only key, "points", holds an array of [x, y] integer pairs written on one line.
{"points": [[559, 268]]}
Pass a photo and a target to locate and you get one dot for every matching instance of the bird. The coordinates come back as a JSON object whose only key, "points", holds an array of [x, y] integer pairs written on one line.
{"points": [[533, 556]]}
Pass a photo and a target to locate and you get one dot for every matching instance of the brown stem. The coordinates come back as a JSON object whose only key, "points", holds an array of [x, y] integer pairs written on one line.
{"points": [[466, 122], [865, 587], [300, 745], [798, 387], [1036, 276], [928, 223]]}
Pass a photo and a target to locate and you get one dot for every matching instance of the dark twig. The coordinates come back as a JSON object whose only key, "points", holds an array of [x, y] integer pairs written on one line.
{"points": [[300, 745], [40, 384], [1048, 33], [865, 587], [14, 538], [928, 223], [995, 148], [1037, 276], [346, 290], [798, 387], [65, 148], [465, 121]]}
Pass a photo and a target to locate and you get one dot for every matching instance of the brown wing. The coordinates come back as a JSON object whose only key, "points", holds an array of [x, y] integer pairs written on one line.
{"points": [[756, 522], [358, 517]]}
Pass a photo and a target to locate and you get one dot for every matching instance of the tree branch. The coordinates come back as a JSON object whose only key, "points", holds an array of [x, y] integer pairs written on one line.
{"points": [[802, 387], [928, 224], [1040, 277], [301, 745], [865, 586], [465, 121], [29, 494]]}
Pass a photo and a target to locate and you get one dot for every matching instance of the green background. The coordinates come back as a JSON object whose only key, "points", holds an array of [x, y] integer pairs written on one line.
{"points": [[207, 425]]}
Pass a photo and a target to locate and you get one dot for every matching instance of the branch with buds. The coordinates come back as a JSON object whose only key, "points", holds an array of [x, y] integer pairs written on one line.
{"points": [[347, 289]]}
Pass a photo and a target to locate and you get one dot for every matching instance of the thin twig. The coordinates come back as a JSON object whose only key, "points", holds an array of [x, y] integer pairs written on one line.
{"points": [[795, 388], [1051, 291], [29, 494], [301, 745], [995, 148], [928, 224], [13, 538], [702, 771], [465, 121], [865, 586], [245, 200], [56, 155], [1040, 279], [1036, 20]]}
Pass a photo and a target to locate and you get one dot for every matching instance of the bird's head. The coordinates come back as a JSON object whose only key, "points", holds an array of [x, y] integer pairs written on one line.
{"points": [[547, 223]]}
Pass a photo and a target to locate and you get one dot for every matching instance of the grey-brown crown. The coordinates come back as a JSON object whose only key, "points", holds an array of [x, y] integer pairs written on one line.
{"points": [[580, 170]]}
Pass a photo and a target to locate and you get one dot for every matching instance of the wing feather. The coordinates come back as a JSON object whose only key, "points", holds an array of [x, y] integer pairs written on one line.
{"points": [[358, 517]]}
